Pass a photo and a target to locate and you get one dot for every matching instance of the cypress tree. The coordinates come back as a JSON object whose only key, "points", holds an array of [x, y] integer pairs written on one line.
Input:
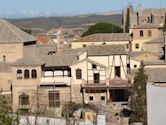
{"points": [[127, 21], [138, 97]]}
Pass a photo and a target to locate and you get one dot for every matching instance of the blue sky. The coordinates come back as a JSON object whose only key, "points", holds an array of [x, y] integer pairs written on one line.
{"points": [[68, 7]]}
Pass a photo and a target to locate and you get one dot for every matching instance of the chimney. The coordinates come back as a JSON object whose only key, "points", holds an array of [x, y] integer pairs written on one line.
{"points": [[59, 40]]}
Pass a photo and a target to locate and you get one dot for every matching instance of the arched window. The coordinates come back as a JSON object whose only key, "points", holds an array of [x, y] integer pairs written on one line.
{"points": [[78, 73], [19, 74], [24, 99], [141, 33], [149, 33], [34, 74], [26, 74]]}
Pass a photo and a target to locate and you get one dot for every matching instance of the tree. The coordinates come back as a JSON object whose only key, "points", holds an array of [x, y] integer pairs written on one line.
{"points": [[127, 21], [6, 115], [103, 28], [138, 97]]}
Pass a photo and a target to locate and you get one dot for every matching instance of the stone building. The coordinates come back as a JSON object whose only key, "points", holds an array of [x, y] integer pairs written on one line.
{"points": [[155, 16]]}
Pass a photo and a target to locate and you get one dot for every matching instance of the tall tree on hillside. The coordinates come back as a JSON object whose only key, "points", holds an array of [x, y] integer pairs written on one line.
{"points": [[138, 97], [127, 21], [103, 28]]}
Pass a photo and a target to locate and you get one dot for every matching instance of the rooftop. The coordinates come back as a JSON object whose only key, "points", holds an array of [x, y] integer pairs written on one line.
{"points": [[10, 33], [105, 37], [101, 50]]}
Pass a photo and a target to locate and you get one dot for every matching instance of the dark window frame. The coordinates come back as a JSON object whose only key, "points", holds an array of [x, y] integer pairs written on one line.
{"points": [[91, 98], [26, 74], [78, 74], [141, 33], [34, 74], [54, 99], [19, 74], [117, 71], [23, 99]]}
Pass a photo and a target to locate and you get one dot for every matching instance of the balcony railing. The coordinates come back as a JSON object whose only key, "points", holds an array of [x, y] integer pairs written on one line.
{"points": [[56, 80]]}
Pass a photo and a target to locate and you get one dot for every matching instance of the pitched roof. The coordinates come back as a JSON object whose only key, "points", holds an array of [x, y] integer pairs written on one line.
{"points": [[147, 26], [159, 40], [136, 54], [156, 74], [101, 50], [29, 61], [104, 37], [10, 33]]}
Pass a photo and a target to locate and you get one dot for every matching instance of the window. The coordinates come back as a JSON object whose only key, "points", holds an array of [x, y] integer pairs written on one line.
{"points": [[24, 99], [141, 33], [4, 58], [135, 66], [91, 98], [34, 74], [103, 98], [84, 45], [127, 46], [54, 99], [137, 46], [94, 66], [19, 74], [26, 74], [117, 71], [78, 74], [149, 33]]}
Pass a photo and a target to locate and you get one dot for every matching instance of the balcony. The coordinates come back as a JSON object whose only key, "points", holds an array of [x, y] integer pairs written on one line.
{"points": [[102, 84], [94, 84], [55, 80]]}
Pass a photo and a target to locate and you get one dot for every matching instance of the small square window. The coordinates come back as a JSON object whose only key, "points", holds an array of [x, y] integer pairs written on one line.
{"points": [[135, 66], [103, 98], [84, 45], [94, 66], [91, 98], [137, 46]]}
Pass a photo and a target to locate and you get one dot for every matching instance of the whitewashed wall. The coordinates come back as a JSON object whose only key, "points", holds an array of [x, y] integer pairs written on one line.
{"points": [[156, 102]]}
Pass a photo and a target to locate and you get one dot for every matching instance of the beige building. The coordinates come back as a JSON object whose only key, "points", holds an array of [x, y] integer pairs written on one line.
{"points": [[12, 42], [143, 34], [100, 39]]}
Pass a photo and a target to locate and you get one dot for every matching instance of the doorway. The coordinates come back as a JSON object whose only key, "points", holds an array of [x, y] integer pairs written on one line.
{"points": [[96, 78]]}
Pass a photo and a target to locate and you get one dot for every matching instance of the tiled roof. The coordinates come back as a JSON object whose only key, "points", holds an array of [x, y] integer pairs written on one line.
{"points": [[44, 39], [10, 33], [156, 74], [136, 54], [105, 37], [159, 40], [147, 26], [100, 50]]}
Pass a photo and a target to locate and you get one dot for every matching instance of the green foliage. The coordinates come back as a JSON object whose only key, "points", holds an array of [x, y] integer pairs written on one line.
{"points": [[127, 21], [138, 97], [69, 108], [6, 115], [103, 28]]}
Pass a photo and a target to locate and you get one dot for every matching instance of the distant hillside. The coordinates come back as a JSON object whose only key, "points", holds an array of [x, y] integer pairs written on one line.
{"points": [[68, 22]]}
